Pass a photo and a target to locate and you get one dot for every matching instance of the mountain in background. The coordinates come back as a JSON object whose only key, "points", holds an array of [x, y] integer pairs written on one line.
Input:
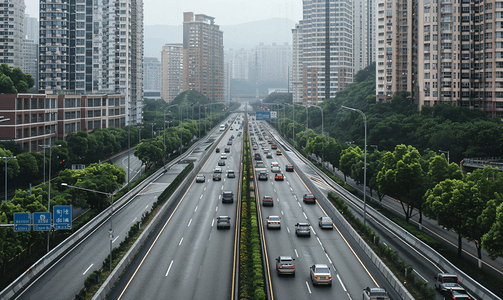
{"points": [[246, 35]]}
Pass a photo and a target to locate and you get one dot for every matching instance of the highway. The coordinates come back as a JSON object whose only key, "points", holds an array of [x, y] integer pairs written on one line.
{"points": [[351, 270], [187, 257]]}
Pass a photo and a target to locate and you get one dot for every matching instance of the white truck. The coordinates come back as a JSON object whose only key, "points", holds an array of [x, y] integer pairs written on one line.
{"points": [[446, 281]]}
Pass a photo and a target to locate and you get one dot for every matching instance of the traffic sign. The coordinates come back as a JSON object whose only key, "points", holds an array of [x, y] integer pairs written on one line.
{"points": [[263, 115], [63, 217], [22, 221], [42, 221]]}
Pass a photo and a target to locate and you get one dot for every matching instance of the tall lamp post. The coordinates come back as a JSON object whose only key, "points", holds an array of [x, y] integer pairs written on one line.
{"points": [[111, 230], [364, 162], [51, 148], [447, 152], [164, 133], [6, 160]]}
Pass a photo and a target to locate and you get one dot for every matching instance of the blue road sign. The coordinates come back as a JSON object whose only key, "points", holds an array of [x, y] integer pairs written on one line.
{"points": [[63, 217], [22, 221], [42, 221], [263, 115]]}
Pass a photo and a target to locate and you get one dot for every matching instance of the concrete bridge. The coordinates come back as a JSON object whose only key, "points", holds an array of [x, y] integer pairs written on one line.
{"points": [[470, 164]]}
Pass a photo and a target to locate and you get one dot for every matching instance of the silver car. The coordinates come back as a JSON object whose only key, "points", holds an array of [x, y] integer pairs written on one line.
{"points": [[320, 274], [273, 222], [217, 170], [303, 229], [224, 222], [285, 265], [325, 222]]}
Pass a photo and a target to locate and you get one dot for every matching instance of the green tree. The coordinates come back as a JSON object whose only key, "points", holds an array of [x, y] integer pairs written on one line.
{"points": [[439, 170], [150, 151], [14, 80], [29, 170], [492, 241], [402, 176], [349, 157]]}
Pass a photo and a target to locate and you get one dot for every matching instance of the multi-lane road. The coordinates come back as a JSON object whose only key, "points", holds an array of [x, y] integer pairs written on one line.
{"points": [[188, 257]]}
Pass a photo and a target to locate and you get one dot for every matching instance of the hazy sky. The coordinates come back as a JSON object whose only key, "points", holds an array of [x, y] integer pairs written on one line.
{"points": [[225, 12]]}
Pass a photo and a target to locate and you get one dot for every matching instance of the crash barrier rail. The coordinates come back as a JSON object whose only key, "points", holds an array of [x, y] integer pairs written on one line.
{"points": [[121, 266], [80, 235], [468, 282]]}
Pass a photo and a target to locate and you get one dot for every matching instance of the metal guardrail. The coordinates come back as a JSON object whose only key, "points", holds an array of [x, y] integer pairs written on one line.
{"points": [[121, 266], [78, 237], [325, 203], [468, 282]]}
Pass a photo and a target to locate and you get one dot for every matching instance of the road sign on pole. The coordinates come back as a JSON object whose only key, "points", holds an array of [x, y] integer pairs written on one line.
{"points": [[22, 221], [42, 221], [63, 217], [263, 115]]}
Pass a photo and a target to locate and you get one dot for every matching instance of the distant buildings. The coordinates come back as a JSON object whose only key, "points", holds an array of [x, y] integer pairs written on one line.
{"points": [[203, 56], [271, 62], [323, 52], [152, 77], [172, 71], [12, 33], [93, 47], [30, 49]]}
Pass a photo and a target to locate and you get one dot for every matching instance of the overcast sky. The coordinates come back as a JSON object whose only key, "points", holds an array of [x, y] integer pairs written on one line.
{"points": [[225, 12]]}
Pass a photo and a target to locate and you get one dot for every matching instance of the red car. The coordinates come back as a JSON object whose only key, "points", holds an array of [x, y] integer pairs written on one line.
{"points": [[279, 176], [289, 168], [273, 146], [278, 152]]}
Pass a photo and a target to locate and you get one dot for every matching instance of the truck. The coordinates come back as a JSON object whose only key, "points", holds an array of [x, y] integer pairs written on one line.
{"points": [[446, 281]]}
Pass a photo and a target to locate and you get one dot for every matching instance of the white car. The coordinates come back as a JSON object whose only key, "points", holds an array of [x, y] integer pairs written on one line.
{"points": [[273, 222], [217, 170], [275, 169], [223, 156]]}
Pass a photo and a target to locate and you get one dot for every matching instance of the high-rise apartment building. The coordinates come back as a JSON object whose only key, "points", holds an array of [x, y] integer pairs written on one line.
{"points": [[239, 63], [31, 28], [297, 63], [363, 33], [203, 56], [93, 47], [172, 71], [271, 62], [326, 46], [29, 50], [12, 33], [152, 77]]}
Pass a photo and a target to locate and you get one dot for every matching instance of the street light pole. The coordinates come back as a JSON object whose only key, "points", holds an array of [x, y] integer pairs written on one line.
{"points": [[110, 199], [364, 162], [51, 148], [448, 158], [6, 160]]}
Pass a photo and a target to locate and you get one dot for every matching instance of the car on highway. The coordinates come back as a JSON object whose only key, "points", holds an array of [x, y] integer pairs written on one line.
{"points": [[257, 156], [259, 164], [262, 175], [285, 265], [230, 174], [267, 200], [217, 150], [309, 198], [375, 294], [320, 274], [255, 147], [303, 229], [444, 281], [326, 222], [289, 168], [275, 169], [223, 222], [227, 150], [273, 146], [223, 156], [229, 143], [227, 196], [273, 222], [269, 155], [221, 163], [217, 177], [217, 170], [232, 136], [457, 294], [278, 152], [200, 178], [279, 176]]}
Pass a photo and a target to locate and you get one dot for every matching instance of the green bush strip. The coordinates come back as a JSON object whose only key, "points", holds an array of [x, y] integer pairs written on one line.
{"points": [[95, 279], [251, 273]]}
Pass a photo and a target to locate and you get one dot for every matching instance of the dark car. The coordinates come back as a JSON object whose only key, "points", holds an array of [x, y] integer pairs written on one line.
{"points": [[227, 196], [229, 143], [289, 168], [279, 176], [221, 163], [325, 222], [217, 177], [227, 150], [217, 150], [267, 200], [230, 174], [224, 222], [258, 156], [303, 229], [309, 198], [262, 175]]}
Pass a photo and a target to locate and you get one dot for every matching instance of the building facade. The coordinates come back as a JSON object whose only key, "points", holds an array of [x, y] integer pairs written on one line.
{"points": [[326, 46], [87, 48], [12, 32], [363, 33], [203, 56], [297, 63], [172, 71], [271, 62], [152, 77], [41, 119]]}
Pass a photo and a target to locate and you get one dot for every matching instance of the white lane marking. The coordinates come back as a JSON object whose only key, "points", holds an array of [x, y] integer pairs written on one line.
{"points": [[274, 190], [134, 219], [272, 182], [288, 183], [224, 179], [278, 198], [319, 242], [196, 208], [313, 230], [189, 222], [219, 197], [287, 229], [308, 287], [305, 216], [415, 271], [282, 212], [113, 241], [298, 203], [205, 187], [87, 269], [212, 222], [343, 287], [222, 187], [146, 207], [169, 268], [295, 196], [216, 208], [291, 189], [329, 260], [180, 242], [201, 196], [296, 254]]}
